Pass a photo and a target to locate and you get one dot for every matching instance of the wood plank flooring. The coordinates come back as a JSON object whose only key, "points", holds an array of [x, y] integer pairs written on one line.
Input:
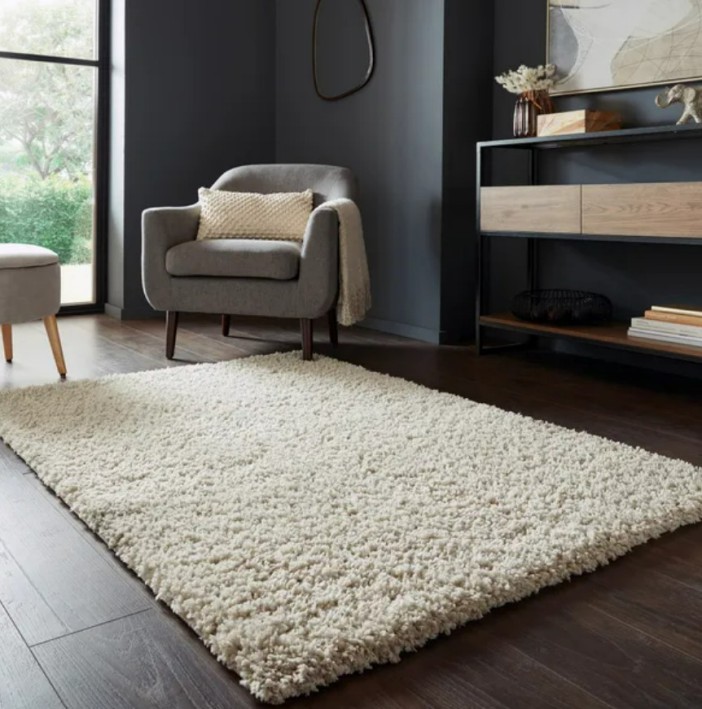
{"points": [[78, 630]]}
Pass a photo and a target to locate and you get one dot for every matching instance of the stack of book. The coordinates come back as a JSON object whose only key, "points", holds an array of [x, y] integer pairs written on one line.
{"points": [[681, 325]]}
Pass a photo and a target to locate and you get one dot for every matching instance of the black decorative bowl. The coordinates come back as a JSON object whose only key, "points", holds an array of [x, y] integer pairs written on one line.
{"points": [[562, 307]]}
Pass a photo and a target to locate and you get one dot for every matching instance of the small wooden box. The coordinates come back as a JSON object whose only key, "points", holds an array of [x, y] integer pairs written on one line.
{"points": [[582, 121]]}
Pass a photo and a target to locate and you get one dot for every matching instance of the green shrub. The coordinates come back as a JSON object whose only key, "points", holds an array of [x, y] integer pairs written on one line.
{"points": [[55, 213]]}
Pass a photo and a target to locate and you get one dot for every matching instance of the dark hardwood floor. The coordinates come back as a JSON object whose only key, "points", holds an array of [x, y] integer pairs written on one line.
{"points": [[78, 630]]}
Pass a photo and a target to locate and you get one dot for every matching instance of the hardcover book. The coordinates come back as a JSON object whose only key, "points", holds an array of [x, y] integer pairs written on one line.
{"points": [[673, 328], [690, 310], [658, 315], [665, 337]]}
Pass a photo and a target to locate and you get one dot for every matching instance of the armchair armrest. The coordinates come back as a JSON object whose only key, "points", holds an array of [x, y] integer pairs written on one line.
{"points": [[319, 263], [322, 226], [165, 227], [162, 229]]}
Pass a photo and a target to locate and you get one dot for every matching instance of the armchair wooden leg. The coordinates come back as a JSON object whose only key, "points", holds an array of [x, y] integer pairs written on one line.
{"points": [[171, 331], [333, 328], [55, 341], [306, 326], [226, 324], [7, 342]]}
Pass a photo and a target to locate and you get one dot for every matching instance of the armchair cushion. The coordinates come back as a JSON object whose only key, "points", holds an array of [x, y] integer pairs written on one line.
{"points": [[226, 215], [235, 258]]}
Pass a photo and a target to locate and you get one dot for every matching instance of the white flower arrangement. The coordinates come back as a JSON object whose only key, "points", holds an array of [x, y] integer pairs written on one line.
{"points": [[528, 79]]}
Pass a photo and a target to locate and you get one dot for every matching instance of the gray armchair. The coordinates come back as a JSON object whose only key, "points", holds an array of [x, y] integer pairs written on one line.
{"points": [[281, 279]]}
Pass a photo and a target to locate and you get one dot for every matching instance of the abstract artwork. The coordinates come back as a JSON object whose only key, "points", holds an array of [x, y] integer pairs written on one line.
{"points": [[599, 45]]}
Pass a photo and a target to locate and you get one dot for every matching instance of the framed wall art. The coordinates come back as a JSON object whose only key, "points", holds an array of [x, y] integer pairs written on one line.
{"points": [[602, 45]]}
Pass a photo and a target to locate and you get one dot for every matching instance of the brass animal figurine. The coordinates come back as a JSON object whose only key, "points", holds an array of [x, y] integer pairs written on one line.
{"points": [[689, 96]]}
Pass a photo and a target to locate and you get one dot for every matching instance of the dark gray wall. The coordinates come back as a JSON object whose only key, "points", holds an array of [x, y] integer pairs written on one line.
{"points": [[391, 135], [633, 276], [192, 96], [468, 47]]}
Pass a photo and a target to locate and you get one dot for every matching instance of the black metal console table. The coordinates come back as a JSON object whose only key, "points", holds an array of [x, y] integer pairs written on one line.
{"points": [[613, 335]]}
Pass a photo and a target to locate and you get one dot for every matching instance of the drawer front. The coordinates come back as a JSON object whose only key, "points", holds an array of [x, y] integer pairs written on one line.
{"points": [[540, 208], [662, 209]]}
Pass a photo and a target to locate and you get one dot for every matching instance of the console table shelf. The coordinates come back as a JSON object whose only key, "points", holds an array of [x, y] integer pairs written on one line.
{"points": [[649, 134], [621, 238], [611, 335], [642, 213]]}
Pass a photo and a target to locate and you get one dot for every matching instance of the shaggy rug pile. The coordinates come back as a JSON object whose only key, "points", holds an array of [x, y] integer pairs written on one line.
{"points": [[309, 520]]}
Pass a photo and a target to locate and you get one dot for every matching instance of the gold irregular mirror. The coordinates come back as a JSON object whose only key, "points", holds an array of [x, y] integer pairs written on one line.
{"points": [[343, 48]]}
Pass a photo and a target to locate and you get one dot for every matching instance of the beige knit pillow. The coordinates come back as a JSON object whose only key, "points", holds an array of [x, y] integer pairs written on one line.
{"points": [[245, 215]]}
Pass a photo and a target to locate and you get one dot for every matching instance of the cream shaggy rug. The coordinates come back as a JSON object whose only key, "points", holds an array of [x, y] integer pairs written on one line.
{"points": [[309, 520]]}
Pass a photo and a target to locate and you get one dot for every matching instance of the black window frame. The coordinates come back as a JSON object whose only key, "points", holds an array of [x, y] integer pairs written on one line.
{"points": [[102, 147]]}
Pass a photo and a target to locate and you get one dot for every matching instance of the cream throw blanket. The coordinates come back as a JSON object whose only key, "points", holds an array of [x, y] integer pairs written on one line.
{"points": [[354, 279]]}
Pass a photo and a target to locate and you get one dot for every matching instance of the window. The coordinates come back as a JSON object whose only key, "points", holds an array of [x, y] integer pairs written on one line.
{"points": [[52, 128]]}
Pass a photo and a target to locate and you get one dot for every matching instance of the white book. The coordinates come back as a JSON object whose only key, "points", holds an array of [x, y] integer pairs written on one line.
{"points": [[665, 337], [679, 310], [667, 327]]}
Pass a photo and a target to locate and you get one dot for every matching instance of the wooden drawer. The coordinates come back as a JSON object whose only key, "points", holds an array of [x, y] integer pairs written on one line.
{"points": [[655, 209], [540, 208]]}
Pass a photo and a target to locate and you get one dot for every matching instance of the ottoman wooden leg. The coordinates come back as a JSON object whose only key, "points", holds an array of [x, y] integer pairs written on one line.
{"points": [[7, 342], [55, 340]]}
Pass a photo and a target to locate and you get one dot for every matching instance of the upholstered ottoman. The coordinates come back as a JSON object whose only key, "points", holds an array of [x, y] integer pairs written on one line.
{"points": [[30, 289]]}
